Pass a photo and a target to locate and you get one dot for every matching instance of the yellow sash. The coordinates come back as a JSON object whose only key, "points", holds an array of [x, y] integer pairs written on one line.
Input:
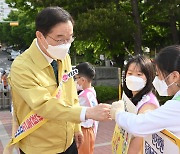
{"points": [[30, 123]]}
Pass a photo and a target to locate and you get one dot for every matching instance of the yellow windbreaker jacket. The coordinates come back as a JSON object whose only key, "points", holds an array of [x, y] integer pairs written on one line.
{"points": [[33, 83]]}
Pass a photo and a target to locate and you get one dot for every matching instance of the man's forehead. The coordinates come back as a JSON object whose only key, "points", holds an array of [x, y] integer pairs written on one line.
{"points": [[63, 29]]}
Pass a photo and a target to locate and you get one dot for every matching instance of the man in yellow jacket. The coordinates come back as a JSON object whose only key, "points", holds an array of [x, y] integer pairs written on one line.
{"points": [[33, 82]]}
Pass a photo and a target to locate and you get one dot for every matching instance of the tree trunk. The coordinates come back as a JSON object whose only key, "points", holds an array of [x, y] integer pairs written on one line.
{"points": [[137, 34], [119, 60], [174, 30]]}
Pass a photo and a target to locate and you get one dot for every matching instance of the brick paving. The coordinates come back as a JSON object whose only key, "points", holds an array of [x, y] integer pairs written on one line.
{"points": [[104, 136], [5, 127], [102, 144]]}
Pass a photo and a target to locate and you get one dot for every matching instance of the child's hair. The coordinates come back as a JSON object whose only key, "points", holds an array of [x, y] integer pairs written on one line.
{"points": [[146, 67], [168, 60], [87, 70]]}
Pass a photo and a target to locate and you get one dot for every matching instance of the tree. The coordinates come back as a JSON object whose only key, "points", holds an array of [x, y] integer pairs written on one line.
{"points": [[109, 31], [105, 26], [138, 31], [161, 21], [20, 36]]}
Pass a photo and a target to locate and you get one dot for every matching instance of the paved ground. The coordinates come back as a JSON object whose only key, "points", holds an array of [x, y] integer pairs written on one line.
{"points": [[103, 141]]}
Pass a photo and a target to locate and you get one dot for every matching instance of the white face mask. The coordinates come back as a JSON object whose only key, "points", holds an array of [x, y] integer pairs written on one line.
{"points": [[78, 87], [135, 83], [161, 86], [58, 51]]}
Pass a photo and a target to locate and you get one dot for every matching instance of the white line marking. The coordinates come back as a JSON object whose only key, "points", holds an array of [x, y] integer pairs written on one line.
{"points": [[102, 144]]}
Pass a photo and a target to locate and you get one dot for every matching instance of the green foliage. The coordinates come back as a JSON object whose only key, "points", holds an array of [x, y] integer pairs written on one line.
{"points": [[107, 28], [106, 93], [157, 22], [20, 36], [107, 31], [101, 27]]}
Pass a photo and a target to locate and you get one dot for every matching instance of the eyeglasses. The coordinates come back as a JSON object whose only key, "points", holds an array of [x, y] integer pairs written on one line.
{"points": [[76, 78], [63, 41]]}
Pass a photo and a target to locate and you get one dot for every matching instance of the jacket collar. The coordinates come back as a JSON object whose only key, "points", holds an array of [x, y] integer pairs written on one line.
{"points": [[37, 57]]}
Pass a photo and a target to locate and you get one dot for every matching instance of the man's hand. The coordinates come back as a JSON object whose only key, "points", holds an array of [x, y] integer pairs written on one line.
{"points": [[116, 107], [100, 112], [79, 138]]}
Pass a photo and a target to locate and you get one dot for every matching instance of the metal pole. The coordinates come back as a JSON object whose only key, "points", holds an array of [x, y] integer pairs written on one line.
{"points": [[120, 88]]}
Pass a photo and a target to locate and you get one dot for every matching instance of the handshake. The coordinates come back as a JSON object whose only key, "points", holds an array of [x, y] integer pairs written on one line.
{"points": [[116, 107], [103, 112]]}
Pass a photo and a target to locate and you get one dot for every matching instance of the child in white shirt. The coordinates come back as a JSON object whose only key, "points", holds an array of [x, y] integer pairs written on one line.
{"points": [[87, 97]]}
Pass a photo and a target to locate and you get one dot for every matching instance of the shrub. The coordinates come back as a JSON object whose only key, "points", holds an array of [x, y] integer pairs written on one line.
{"points": [[106, 93]]}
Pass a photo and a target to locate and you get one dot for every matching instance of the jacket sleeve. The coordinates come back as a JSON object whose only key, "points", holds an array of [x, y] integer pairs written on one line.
{"points": [[39, 99], [164, 117], [77, 128]]}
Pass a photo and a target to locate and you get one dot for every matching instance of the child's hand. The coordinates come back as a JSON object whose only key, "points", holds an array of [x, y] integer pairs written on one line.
{"points": [[79, 138], [116, 107]]}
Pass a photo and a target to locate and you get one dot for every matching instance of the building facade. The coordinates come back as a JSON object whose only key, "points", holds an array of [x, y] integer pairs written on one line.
{"points": [[4, 10]]}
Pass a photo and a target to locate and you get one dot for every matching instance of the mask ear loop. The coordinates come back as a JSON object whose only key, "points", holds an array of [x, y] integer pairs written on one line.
{"points": [[171, 84], [45, 41], [166, 79], [43, 46]]}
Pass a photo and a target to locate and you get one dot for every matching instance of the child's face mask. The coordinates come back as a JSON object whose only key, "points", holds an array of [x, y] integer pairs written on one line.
{"points": [[78, 87], [135, 83]]}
